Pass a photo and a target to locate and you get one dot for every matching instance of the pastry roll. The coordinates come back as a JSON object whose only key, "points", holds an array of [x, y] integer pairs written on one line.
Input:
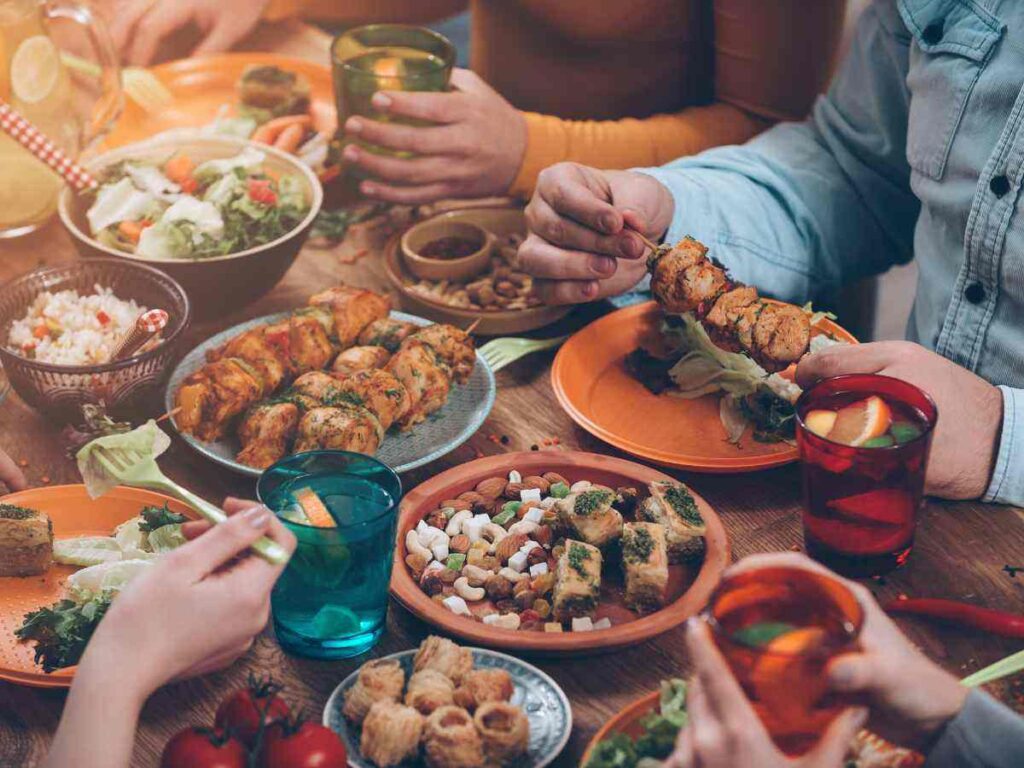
{"points": [[450, 740], [504, 730], [444, 656], [645, 565], [351, 309], [590, 515], [671, 505], [380, 680], [483, 685], [391, 734], [577, 581], [429, 690]]}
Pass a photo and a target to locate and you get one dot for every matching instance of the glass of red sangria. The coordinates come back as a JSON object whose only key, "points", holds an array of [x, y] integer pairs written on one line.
{"points": [[864, 441]]}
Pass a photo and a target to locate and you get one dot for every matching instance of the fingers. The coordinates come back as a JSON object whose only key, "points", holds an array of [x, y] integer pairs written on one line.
{"points": [[835, 743], [426, 193], [11, 474], [412, 171], [204, 555], [843, 359], [553, 225], [220, 38], [852, 673], [558, 293], [468, 81], [153, 26], [420, 140], [777, 560], [724, 695], [565, 188], [421, 105], [539, 258], [683, 756], [256, 574], [232, 506], [123, 19]]}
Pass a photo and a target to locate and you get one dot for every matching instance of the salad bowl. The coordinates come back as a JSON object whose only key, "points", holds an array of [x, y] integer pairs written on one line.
{"points": [[215, 284]]}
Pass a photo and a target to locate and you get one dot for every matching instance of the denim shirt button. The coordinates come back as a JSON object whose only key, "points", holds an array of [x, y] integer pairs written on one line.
{"points": [[933, 32], [999, 185], [975, 293]]}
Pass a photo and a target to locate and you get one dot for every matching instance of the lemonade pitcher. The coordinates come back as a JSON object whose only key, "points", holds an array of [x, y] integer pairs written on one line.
{"points": [[72, 111]]}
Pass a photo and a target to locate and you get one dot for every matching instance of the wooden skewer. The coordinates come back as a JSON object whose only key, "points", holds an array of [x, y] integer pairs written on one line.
{"points": [[473, 326], [645, 240], [169, 414]]}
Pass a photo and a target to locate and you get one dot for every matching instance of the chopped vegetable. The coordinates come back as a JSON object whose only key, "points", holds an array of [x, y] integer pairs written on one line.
{"points": [[660, 730], [157, 517], [559, 490], [61, 631], [455, 561]]}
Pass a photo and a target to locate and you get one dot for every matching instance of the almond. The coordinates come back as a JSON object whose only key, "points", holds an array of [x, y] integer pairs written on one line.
{"points": [[508, 546], [492, 487], [543, 535], [477, 501], [459, 544], [456, 504], [436, 519], [534, 481], [512, 490], [537, 555], [554, 477], [525, 507]]}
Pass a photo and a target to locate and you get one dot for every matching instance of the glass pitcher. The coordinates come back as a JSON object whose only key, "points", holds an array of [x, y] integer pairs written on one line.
{"points": [[73, 110]]}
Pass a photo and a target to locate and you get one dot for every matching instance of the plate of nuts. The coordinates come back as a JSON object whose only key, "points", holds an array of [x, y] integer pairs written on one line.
{"points": [[500, 296], [559, 553]]}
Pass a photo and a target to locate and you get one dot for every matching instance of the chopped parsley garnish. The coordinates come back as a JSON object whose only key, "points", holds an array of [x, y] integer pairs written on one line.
{"points": [[14, 512], [638, 546], [589, 502], [578, 556], [158, 517], [683, 504], [336, 398]]}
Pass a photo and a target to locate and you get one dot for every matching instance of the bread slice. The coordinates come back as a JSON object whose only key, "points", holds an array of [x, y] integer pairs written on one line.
{"points": [[26, 541]]}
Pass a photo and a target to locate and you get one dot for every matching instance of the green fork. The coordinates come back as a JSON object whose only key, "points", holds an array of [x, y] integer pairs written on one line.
{"points": [[140, 85], [138, 469], [501, 352]]}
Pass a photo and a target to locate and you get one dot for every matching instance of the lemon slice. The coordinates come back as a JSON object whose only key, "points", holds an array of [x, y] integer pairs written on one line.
{"points": [[35, 69], [86, 550]]}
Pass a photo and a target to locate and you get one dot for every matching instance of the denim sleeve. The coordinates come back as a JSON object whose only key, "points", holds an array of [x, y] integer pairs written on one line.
{"points": [[986, 734], [806, 207], [1007, 485]]}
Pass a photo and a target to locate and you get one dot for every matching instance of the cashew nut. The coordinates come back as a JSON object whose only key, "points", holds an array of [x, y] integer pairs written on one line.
{"points": [[454, 527], [467, 592], [523, 526], [493, 533], [439, 547], [515, 477], [475, 575], [507, 621], [429, 534], [579, 486], [513, 576], [413, 546]]}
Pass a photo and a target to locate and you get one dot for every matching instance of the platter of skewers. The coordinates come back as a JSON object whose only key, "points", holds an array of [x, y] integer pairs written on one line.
{"points": [[343, 372]]}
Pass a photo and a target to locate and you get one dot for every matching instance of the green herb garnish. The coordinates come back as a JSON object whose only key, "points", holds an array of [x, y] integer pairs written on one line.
{"points": [[14, 512], [760, 634], [589, 502], [637, 546], [578, 557], [683, 504], [62, 630], [882, 441], [559, 490], [158, 517]]}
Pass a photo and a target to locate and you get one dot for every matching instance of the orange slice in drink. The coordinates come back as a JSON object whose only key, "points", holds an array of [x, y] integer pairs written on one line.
{"points": [[861, 421], [820, 422], [313, 506], [780, 675]]}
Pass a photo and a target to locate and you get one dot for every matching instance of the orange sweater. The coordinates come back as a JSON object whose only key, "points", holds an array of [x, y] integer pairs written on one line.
{"points": [[634, 82]]}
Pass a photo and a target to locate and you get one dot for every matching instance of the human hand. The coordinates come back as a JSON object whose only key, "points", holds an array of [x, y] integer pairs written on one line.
{"points": [[970, 409], [723, 729], [581, 245], [475, 149], [139, 26], [197, 609], [10, 474], [910, 697]]}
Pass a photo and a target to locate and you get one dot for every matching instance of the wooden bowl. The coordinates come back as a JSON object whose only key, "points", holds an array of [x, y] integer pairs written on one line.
{"points": [[220, 284], [420, 235], [690, 585]]}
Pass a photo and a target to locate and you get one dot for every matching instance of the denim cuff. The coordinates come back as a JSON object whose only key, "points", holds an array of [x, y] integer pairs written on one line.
{"points": [[1007, 485]]}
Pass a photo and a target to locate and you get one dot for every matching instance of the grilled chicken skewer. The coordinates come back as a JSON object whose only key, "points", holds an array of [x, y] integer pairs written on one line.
{"points": [[684, 279]]}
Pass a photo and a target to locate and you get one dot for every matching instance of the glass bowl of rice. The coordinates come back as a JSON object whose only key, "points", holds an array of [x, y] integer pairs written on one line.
{"points": [[59, 325]]}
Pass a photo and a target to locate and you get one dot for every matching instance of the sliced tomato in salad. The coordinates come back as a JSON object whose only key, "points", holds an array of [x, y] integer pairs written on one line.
{"points": [[261, 191]]}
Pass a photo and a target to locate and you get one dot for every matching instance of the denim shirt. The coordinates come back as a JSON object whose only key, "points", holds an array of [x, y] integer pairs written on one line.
{"points": [[916, 150]]}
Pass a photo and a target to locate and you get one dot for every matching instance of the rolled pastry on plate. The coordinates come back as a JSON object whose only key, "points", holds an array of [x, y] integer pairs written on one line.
{"points": [[483, 685], [450, 740], [591, 516], [428, 690], [444, 656], [577, 582], [380, 680], [505, 731], [391, 734], [672, 505], [645, 565]]}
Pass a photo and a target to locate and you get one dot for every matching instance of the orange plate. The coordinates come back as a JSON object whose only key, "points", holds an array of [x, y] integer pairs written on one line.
{"points": [[689, 585], [626, 720], [592, 385], [73, 514], [202, 85]]}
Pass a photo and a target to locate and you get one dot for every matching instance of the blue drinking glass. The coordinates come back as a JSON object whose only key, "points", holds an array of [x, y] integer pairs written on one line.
{"points": [[331, 602]]}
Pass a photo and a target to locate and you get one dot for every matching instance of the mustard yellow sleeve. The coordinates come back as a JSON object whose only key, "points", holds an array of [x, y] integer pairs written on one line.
{"points": [[365, 11], [771, 60]]}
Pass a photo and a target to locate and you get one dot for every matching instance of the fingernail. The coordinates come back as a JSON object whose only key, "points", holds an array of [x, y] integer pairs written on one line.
{"points": [[859, 716], [602, 265], [609, 222], [367, 188], [351, 153], [381, 100], [632, 248], [257, 517], [353, 125], [589, 290]]}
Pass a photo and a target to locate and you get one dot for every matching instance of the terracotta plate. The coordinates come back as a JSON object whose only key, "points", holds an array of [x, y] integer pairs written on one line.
{"points": [[592, 384], [501, 221], [73, 514], [689, 586], [202, 85], [626, 720]]}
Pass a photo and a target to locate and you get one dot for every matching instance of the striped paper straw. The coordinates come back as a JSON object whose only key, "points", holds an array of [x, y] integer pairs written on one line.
{"points": [[148, 324], [35, 141]]}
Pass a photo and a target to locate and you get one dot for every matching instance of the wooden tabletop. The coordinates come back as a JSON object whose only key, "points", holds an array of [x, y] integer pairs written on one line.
{"points": [[959, 553]]}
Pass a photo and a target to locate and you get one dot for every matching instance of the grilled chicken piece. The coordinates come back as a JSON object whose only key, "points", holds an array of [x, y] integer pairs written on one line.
{"points": [[309, 347], [269, 358], [317, 385], [360, 359], [781, 336], [426, 378], [352, 309], [683, 278], [387, 332], [453, 345], [730, 321], [348, 428], [267, 432], [214, 395], [377, 390]]}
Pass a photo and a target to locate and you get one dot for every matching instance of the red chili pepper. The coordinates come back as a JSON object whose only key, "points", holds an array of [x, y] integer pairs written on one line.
{"points": [[260, 191], [996, 622]]}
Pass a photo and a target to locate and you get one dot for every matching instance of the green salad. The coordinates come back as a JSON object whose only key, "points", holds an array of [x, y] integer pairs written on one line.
{"points": [[179, 209], [660, 730]]}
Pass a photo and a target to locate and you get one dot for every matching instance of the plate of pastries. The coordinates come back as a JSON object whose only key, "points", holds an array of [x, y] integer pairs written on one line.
{"points": [[343, 372]]}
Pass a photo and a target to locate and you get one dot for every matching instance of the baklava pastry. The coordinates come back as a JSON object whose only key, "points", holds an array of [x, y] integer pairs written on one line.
{"points": [[504, 730], [429, 690], [444, 656], [671, 505], [380, 680], [391, 734], [450, 740], [590, 515], [483, 685], [26, 541], [577, 582], [645, 565]]}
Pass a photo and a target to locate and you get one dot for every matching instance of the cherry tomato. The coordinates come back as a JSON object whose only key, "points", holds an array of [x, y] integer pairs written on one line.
{"points": [[203, 748], [302, 744], [260, 191], [244, 710]]}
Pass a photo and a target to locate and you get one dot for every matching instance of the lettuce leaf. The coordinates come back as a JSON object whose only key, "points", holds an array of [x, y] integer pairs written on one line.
{"points": [[705, 367], [105, 578], [148, 439]]}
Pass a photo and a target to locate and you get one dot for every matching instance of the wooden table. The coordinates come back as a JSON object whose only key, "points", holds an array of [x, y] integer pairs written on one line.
{"points": [[960, 552]]}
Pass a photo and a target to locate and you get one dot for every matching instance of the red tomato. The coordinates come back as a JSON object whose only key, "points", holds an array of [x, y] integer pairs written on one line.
{"points": [[260, 191], [244, 710], [302, 744], [203, 748]]}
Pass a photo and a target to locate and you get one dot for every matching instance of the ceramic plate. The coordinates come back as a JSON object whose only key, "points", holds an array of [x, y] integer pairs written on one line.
{"points": [[73, 514], [202, 85], [444, 431], [591, 383], [545, 704], [689, 587]]}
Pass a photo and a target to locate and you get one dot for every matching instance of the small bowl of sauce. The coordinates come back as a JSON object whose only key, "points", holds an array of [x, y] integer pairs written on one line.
{"points": [[443, 249]]}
